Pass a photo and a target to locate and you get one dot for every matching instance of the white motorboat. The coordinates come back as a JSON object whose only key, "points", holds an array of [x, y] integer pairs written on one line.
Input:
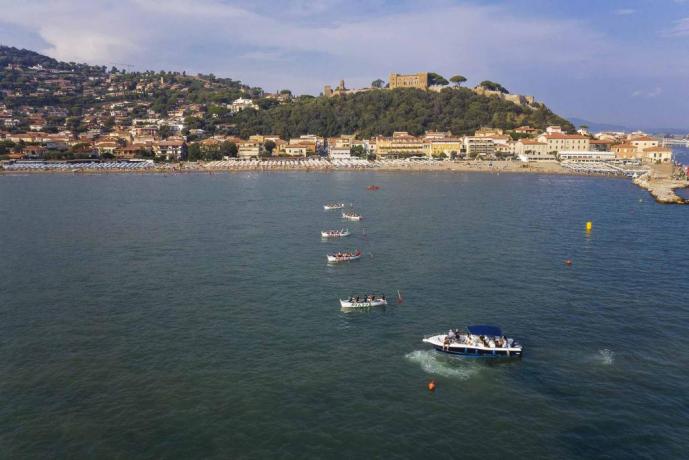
{"points": [[329, 206], [344, 256], [364, 302], [477, 342], [351, 215], [335, 233]]}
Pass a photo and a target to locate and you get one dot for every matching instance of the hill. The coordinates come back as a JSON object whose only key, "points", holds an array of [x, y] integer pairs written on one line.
{"points": [[459, 110], [81, 97]]}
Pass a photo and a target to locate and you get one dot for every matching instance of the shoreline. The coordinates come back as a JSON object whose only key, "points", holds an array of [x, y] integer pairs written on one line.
{"points": [[495, 167], [657, 181]]}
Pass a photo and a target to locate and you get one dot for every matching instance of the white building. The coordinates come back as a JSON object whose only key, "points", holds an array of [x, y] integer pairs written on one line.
{"points": [[241, 104], [247, 150], [584, 156]]}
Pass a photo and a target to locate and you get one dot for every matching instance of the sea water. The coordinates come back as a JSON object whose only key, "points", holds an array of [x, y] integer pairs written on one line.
{"points": [[190, 316]]}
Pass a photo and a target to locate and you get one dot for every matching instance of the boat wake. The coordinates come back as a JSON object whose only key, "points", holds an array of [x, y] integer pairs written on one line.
{"points": [[605, 357], [432, 363]]}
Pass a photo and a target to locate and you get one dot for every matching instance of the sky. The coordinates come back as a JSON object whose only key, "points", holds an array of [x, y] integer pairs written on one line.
{"points": [[623, 62]]}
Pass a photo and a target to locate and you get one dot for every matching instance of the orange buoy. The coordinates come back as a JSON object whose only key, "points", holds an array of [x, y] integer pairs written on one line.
{"points": [[568, 262], [431, 385]]}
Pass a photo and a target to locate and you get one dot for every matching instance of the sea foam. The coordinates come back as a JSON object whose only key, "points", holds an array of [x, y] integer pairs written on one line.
{"points": [[606, 357], [432, 363]]}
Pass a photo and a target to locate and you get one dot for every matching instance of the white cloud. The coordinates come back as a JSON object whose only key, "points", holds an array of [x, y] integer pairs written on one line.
{"points": [[679, 29], [655, 92], [302, 45], [624, 11]]}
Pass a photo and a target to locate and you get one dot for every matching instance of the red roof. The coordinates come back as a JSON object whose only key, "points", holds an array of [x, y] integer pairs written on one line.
{"points": [[565, 136]]}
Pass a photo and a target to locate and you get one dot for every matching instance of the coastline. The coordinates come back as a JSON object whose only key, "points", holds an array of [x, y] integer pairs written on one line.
{"points": [[495, 167], [658, 181]]}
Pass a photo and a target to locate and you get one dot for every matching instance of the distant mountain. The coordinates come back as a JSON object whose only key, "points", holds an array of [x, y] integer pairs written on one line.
{"points": [[597, 127]]}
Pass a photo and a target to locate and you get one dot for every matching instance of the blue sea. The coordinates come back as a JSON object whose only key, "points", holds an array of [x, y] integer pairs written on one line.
{"points": [[194, 316]]}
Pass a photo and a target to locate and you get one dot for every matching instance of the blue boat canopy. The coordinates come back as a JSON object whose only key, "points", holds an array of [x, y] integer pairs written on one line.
{"points": [[485, 330]]}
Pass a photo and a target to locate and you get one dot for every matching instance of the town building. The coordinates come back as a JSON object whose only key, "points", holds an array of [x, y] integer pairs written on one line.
{"points": [[479, 146], [400, 145], [416, 80], [624, 151], [248, 149], [526, 130], [641, 143], [170, 150], [242, 104], [657, 155], [558, 142], [297, 149], [448, 146], [532, 150], [340, 148], [601, 145]]}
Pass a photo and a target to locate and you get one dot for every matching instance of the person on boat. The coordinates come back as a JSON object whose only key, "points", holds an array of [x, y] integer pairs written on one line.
{"points": [[382, 297], [351, 299], [357, 299], [451, 335]]}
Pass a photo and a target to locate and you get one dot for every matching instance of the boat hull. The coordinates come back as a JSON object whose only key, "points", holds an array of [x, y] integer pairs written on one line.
{"points": [[479, 353], [373, 303], [336, 260], [334, 235]]}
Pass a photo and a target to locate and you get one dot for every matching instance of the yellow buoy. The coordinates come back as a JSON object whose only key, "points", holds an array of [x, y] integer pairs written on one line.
{"points": [[589, 225]]}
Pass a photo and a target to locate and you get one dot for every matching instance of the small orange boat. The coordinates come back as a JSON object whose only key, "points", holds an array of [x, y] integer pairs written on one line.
{"points": [[373, 188]]}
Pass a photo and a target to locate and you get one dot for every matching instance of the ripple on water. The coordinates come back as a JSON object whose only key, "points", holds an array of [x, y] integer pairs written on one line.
{"points": [[432, 363]]}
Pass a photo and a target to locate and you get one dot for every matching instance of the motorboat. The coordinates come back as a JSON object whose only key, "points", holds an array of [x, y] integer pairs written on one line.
{"points": [[373, 188], [344, 256], [479, 342], [364, 302], [351, 215], [335, 233], [329, 206]]}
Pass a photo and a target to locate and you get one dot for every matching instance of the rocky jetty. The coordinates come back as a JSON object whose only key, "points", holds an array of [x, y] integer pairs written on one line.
{"points": [[662, 188]]}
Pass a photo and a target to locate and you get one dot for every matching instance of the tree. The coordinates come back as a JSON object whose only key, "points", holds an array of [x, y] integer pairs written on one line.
{"points": [[357, 151], [377, 83], [228, 149], [269, 147], [436, 79], [458, 80], [194, 152], [492, 86]]}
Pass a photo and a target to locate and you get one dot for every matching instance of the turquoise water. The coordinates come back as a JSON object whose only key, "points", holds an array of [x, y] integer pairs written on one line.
{"points": [[190, 316]]}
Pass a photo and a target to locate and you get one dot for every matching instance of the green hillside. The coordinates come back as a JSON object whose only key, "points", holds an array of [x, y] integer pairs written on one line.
{"points": [[459, 110]]}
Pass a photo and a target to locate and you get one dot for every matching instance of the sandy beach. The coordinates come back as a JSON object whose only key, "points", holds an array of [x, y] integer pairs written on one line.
{"points": [[546, 167]]}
